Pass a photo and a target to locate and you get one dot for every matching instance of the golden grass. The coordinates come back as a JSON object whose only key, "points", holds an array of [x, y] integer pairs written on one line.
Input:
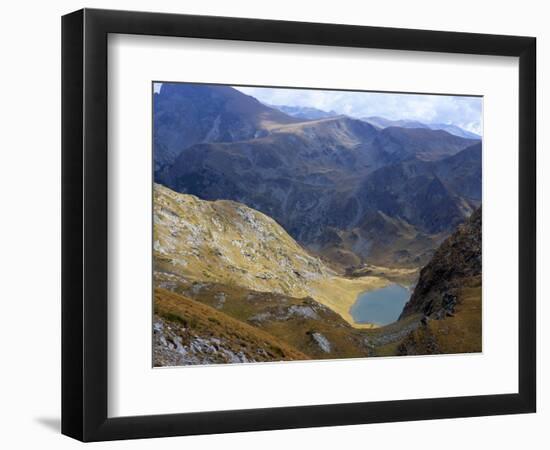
{"points": [[401, 275], [207, 321], [461, 333], [228, 243], [273, 314]]}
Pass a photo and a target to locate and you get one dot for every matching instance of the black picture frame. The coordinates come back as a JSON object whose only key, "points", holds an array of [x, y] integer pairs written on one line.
{"points": [[84, 224]]}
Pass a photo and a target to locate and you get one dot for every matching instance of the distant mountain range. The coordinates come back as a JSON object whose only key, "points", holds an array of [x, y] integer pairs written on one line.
{"points": [[347, 189], [305, 112], [449, 128], [308, 113]]}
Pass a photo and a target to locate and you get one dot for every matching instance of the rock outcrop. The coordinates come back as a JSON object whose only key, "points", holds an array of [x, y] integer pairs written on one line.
{"points": [[458, 258]]}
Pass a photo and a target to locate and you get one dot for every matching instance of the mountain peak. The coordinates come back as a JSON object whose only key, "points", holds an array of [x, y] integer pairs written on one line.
{"points": [[187, 114]]}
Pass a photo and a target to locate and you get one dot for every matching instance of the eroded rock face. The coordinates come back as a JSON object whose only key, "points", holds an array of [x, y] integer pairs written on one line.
{"points": [[230, 242], [281, 312], [170, 348], [458, 258], [322, 342]]}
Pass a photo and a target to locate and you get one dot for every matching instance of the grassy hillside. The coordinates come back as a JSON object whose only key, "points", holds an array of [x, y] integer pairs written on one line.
{"points": [[227, 243], [448, 296], [187, 332], [228, 317], [233, 286], [303, 323], [457, 260], [460, 332]]}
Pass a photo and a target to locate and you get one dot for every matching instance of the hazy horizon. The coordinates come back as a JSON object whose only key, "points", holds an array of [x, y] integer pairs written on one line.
{"points": [[462, 111]]}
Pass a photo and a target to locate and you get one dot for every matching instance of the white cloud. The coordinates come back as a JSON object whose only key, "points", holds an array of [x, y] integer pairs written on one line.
{"points": [[465, 112]]}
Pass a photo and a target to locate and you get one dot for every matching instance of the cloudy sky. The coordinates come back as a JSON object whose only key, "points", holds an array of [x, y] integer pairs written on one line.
{"points": [[465, 112]]}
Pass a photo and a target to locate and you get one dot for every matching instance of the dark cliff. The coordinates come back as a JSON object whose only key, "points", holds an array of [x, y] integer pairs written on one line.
{"points": [[458, 258]]}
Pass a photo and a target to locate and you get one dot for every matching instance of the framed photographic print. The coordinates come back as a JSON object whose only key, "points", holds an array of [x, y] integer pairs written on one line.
{"points": [[274, 224]]}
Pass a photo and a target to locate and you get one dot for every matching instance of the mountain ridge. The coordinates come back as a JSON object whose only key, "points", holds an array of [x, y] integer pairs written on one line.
{"points": [[304, 112], [382, 122], [187, 114], [320, 179]]}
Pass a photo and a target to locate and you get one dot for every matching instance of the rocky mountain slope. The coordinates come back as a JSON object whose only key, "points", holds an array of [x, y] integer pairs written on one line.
{"points": [[425, 144], [232, 286], [462, 173], [457, 258], [227, 243], [323, 180], [448, 295], [186, 114], [186, 332], [334, 197], [202, 317]]}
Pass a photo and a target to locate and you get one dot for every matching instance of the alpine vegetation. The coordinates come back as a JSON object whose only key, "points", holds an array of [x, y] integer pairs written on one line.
{"points": [[328, 226]]}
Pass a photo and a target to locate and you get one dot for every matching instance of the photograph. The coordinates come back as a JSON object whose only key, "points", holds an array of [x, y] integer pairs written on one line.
{"points": [[307, 224]]}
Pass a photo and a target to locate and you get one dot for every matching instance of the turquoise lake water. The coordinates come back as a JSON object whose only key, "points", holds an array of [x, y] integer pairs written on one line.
{"points": [[382, 306]]}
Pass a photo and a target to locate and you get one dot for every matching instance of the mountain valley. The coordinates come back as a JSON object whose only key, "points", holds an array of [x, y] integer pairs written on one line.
{"points": [[269, 222], [326, 181]]}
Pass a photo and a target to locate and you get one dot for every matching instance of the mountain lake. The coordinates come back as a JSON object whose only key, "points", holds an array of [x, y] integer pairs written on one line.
{"points": [[381, 306]]}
